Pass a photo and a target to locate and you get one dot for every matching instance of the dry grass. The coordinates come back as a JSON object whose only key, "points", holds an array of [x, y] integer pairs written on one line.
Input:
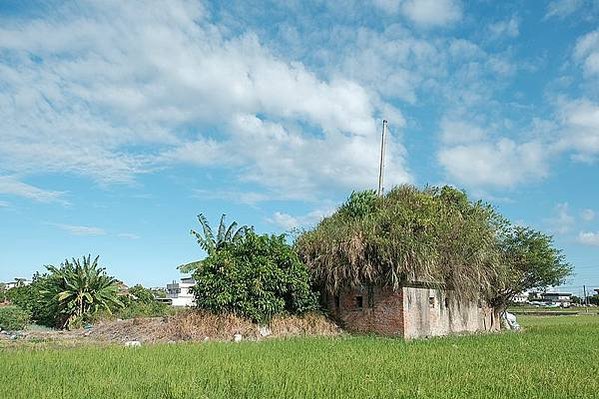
{"points": [[185, 326]]}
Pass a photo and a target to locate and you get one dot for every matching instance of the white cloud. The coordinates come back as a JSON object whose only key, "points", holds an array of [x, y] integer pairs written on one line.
{"points": [[457, 131], [11, 186], [289, 222], [432, 12], [580, 127], [423, 12], [500, 163], [589, 238], [586, 52], [130, 87], [129, 236], [563, 8], [4, 204], [588, 215], [562, 221], [80, 230], [509, 28]]}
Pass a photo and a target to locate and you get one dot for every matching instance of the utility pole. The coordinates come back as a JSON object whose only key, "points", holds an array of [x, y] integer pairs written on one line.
{"points": [[586, 303], [382, 162]]}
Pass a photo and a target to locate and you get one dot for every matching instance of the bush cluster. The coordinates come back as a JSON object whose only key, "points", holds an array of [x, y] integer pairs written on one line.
{"points": [[258, 277], [13, 318]]}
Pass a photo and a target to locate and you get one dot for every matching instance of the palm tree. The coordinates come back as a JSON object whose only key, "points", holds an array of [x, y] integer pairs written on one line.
{"points": [[82, 288], [211, 244]]}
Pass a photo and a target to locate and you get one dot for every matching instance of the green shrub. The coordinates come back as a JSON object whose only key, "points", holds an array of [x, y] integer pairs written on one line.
{"points": [[257, 276], [134, 309], [14, 318]]}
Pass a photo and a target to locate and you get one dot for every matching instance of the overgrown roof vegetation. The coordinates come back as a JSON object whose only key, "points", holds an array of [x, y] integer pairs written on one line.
{"points": [[434, 235]]}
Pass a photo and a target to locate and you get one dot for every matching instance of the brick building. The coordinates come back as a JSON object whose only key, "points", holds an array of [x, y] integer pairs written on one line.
{"points": [[414, 310]]}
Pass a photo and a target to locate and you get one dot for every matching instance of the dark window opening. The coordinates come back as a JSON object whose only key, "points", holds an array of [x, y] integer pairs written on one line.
{"points": [[359, 302], [446, 302], [431, 301], [337, 302]]}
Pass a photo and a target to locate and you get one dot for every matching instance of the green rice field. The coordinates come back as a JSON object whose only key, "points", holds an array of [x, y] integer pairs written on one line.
{"points": [[556, 357]]}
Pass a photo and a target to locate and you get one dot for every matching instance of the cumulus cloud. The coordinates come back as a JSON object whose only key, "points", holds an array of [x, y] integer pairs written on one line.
{"points": [[473, 157], [129, 88], [432, 12], [424, 12], [589, 238], [501, 163], [563, 8], [586, 52], [579, 127], [289, 222], [11, 186], [505, 29], [562, 221]]}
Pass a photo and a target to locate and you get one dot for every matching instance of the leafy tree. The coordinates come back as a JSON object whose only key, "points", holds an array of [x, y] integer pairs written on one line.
{"points": [[529, 260], [431, 235], [210, 243], [3, 290], [81, 288], [142, 294], [31, 299], [434, 234], [256, 276]]}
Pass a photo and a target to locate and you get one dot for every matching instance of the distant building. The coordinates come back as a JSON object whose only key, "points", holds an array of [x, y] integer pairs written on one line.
{"points": [[179, 293], [563, 298], [17, 282]]}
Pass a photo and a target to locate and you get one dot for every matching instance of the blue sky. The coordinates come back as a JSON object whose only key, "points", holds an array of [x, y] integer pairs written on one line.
{"points": [[120, 121]]}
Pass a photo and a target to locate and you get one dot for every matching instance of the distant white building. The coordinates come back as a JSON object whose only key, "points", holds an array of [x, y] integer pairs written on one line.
{"points": [[17, 282], [179, 293], [563, 298]]}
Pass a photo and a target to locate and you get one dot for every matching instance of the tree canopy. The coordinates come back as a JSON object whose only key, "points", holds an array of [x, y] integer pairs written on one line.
{"points": [[257, 276], [211, 243], [432, 235]]}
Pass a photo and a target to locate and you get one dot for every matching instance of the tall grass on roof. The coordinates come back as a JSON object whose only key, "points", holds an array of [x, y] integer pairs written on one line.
{"points": [[431, 235]]}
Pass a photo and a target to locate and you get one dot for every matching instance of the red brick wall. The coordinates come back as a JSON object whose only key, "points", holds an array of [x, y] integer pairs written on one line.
{"points": [[384, 317]]}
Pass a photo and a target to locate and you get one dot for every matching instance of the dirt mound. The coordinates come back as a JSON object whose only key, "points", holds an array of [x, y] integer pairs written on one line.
{"points": [[202, 326]]}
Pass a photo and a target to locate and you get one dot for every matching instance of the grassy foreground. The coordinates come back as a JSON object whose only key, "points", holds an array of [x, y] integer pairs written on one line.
{"points": [[557, 357]]}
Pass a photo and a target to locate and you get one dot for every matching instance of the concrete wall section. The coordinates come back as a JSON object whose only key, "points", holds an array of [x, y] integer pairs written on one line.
{"points": [[432, 312]]}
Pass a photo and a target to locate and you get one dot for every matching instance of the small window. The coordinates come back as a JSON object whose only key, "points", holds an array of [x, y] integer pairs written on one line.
{"points": [[431, 301], [446, 302], [337, 302], [359, 302]]}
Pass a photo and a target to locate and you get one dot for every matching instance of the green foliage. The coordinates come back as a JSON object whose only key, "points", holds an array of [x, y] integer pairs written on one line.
{"points": [[135, 309], [554, 358], [210, 243], [14, 318], [141, 302], [429, 235], [32, 299], [3, 296], [80, 288], [529, 260], [359, 204], [142, 294], [256, 276]]}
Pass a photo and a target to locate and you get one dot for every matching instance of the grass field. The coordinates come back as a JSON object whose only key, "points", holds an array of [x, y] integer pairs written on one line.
{"points": [[557, 357]]}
